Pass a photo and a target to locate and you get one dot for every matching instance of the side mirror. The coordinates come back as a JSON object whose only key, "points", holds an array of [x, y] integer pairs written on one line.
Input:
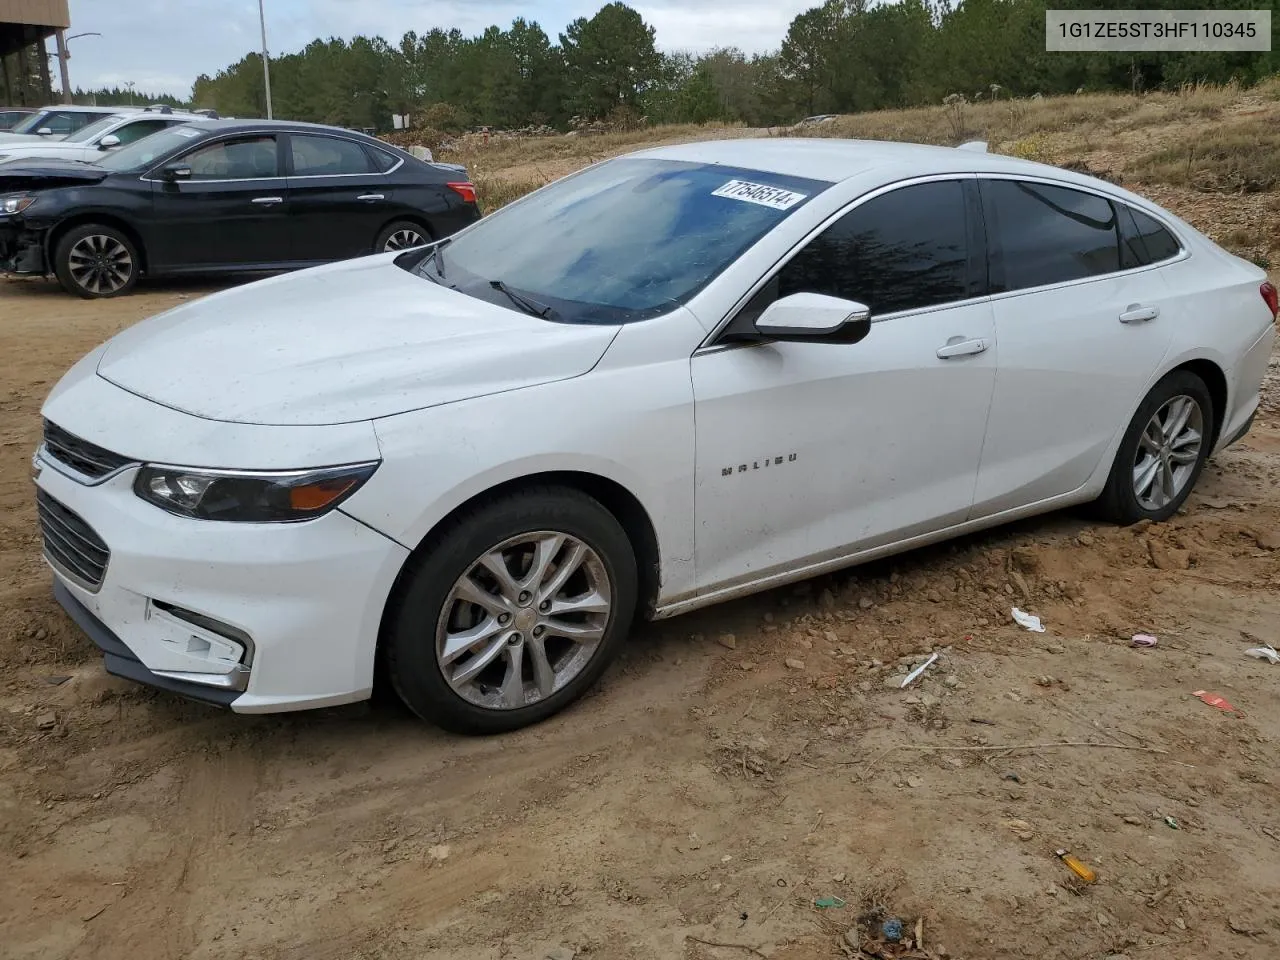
{"points": [[44, 132], [815, 318], [176, 171], [109, 142]]}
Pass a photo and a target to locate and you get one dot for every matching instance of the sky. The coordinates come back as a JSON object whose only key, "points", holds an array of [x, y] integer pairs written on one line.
{"points": [[163, 45]]}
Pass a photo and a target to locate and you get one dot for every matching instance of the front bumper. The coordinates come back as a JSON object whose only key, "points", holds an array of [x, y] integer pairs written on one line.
{"points": [[257, 617], [22, 248]]}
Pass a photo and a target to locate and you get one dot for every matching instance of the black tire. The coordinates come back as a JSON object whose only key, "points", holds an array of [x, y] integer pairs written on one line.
{"points": [[114, 274], [1119, 501], [409, 644], [397, 230]]}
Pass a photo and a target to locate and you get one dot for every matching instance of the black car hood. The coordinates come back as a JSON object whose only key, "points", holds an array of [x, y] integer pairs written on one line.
{"points": [[38, 174]]}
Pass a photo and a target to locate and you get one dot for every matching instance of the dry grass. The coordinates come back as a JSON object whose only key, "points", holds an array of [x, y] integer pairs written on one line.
{"points": [[1237, 157], [1203, 137]]}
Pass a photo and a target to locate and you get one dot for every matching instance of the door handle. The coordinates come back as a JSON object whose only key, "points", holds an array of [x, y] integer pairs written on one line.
{"points": [[1137, 313], [268, 201], [962, 348], [371, 197]]}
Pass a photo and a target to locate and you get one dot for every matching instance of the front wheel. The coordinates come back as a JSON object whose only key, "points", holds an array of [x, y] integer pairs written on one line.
{"points": [[1162, 453], [512, 612], [401, 235], [95, 261]]}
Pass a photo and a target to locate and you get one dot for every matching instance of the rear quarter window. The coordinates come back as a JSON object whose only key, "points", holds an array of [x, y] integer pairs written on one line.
{"points": [[1144, 240]]}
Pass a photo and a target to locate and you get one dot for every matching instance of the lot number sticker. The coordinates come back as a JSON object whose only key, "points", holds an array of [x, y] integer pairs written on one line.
{"points": [[760, 193]]}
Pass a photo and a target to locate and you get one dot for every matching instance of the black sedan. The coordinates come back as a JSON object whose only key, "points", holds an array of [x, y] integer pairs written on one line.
{"points": [[223, 196]]}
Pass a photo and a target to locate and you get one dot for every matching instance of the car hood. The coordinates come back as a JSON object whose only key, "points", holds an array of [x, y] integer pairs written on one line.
{"points": [[351, 341], [42, 149], [42, 172]]}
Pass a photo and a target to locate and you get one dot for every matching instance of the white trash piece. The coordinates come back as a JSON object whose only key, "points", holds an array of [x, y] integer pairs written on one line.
{"points": [[1027, 620], [1265, 653], [919, 670]]}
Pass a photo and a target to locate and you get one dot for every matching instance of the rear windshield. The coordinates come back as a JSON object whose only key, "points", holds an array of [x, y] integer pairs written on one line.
{"points": [[621, 241]]}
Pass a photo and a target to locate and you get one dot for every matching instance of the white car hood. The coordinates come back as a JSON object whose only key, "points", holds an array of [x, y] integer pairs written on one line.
{"points": [[351, 341], [13, 139], [57, 149]]}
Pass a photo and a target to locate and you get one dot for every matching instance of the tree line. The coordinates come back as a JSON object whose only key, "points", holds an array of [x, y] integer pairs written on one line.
{"points": [[841, 56]]}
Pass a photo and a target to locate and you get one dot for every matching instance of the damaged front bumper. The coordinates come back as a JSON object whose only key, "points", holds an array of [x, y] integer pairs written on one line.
{"points": [[22, 248]]}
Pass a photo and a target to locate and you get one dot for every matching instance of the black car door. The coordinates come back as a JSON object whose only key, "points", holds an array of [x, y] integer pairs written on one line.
{"points": [[338, 198], [232, 210]]}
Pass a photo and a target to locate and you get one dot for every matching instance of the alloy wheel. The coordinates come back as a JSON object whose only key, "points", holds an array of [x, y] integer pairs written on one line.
{"points": [[1168, 451], [404, 239], [100, 264], [524, 620]]}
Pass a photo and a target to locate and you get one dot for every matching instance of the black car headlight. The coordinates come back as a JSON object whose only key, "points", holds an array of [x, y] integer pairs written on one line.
{"points": [[250, 496], [15, 204]]}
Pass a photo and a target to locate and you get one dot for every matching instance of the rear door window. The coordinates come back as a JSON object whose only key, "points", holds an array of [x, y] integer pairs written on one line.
{"points": [[328, 157], [1042, 234], [902, 250]]}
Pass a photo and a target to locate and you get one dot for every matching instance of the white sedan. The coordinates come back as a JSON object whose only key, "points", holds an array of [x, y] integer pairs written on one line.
{"points": [[670, 379]]}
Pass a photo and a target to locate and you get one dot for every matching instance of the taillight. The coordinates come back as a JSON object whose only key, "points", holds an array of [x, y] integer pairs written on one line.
{"points": [[464, 189], [1269, 294]]}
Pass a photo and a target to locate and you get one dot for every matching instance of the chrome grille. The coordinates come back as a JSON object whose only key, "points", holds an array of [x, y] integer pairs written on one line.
{"points": [[85, 458], [71, 544]]}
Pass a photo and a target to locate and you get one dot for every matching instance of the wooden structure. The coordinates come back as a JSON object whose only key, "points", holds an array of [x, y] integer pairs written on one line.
{"points": [[25, 26]]}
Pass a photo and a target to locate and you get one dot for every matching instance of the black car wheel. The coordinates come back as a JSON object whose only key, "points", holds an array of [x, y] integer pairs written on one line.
{"points": [[1162, 453], [512, 611], [401, 235], [96, 261]]}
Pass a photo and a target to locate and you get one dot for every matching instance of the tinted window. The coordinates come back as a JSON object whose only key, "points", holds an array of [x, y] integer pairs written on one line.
{"points": [[382, 160], [1144, 240], [327, 157], [899, 251], [246, 158], [1042, 234], [621, 241], [133, 132]]}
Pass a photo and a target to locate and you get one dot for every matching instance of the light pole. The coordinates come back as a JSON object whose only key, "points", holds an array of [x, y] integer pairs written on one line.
{"points": [[266, 59], [64, 54], [130, 84]]}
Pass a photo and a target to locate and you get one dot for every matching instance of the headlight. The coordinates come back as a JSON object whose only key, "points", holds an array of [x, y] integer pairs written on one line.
{"points": [[250, 497], [10, 205]]}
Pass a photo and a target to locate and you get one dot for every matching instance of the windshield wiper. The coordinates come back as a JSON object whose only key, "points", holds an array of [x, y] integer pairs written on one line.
{"points": [[529, 306]]}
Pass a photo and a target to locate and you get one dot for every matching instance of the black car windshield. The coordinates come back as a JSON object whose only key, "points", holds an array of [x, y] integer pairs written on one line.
{"points": [[140, 154], [619, 242]]}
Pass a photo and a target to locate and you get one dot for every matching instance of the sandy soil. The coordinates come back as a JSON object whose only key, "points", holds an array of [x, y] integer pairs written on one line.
{"points": [[736, 766]]}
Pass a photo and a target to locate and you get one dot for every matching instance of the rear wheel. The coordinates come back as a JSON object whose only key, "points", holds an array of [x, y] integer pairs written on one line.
{"points": [[401, 235], [1162, 453], [96, 261], [513, 612]]}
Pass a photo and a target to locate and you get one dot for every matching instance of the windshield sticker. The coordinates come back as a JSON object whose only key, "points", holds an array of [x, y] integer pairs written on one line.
{"points": [[185, 132], [760, 193]]}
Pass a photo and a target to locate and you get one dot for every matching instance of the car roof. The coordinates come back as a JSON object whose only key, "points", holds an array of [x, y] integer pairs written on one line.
{"points": [[230, 126], [833, 160], [79, 108]]}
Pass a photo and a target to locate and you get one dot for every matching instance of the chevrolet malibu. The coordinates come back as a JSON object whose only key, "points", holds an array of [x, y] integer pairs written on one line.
{"points": [[670, 379]]}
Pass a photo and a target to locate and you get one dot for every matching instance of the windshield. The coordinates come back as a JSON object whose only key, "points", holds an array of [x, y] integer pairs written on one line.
{"points": [[140, 154], [621, 241], [32, 123], [85, 134]]}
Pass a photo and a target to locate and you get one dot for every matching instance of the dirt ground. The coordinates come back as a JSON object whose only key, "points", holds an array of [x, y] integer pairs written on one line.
{"points": [[738, 765]]}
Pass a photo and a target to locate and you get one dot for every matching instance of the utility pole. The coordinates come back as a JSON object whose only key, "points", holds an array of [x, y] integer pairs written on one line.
{"points": [[63, 57], [266, 64]]}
